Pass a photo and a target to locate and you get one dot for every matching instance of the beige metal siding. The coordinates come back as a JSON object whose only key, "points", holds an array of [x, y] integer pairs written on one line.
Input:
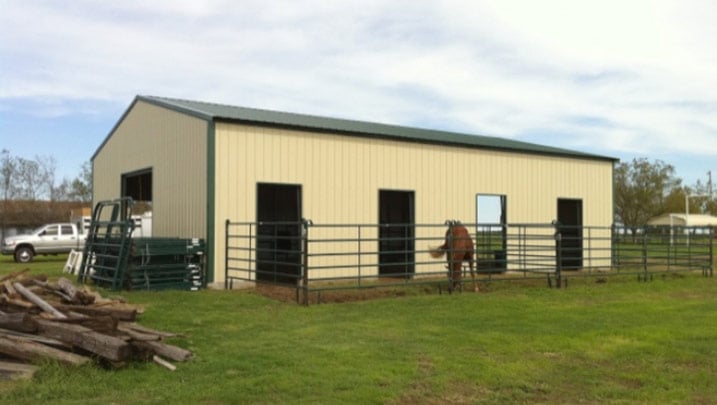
{"points": [[174, 146], [341, 177]]}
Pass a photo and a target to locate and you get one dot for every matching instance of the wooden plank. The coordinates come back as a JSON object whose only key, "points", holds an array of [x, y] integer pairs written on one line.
{"points": [[19, 321], [103, 323], [9, 288], [134, 335], [15, 371], [109, 347], [38, 301], [143, 329], [75, 295], [25, 349], [16, 302], [13, 275], [164, 363], [162, 349], [35, 338], [121, 314]]}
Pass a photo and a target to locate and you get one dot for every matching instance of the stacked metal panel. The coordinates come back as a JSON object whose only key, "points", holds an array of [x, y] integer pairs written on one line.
{"points": [[115, 260], [165, 263]]}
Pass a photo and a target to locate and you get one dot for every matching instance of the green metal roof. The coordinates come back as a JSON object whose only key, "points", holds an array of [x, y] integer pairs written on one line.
{"points": [[220, 112]]}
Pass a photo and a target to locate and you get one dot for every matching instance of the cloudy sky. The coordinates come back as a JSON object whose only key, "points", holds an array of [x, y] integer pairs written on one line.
{"points": [[625, 79]]}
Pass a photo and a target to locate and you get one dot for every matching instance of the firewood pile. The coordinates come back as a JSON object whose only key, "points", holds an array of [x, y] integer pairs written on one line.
{"points": [[72, 325]]}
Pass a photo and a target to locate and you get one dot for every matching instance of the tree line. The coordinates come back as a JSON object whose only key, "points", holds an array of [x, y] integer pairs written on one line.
{"points": [[32, 194], [645, 189]]}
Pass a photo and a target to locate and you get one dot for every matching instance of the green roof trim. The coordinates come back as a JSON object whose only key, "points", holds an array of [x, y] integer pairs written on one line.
{"points": [[221, 112], [212, 112]]}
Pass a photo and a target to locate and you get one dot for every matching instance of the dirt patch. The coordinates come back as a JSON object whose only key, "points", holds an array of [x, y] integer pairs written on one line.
{"points": [[337, 294]]}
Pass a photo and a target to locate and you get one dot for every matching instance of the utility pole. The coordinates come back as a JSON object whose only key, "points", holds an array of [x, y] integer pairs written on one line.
{"points": [[709, 184]]}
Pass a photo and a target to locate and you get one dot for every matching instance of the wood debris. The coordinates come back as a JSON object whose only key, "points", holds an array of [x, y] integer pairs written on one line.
{"points": [[72, 325]]}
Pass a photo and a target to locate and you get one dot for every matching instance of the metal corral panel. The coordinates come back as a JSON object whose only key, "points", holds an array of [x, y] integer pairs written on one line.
{"points": [[341, 175], [174, 147]]}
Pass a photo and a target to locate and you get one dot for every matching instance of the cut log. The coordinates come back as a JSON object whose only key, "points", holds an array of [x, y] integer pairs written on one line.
{"points": [[109, 347], [10, 289], [35, 338], [142, 329], [75, 296], [16, 302], [138, 336], [103, 324], [121, 314], [13, 275], [19, 321], [26, 349], [16, 371], [38, 301], [162, 349]]}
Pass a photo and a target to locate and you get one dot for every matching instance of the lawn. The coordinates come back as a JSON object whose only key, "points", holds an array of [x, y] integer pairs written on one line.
{"points": [[615, 341]]}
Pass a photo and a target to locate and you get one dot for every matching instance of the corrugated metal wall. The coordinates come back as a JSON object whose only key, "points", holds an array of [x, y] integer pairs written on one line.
{"points": [[341, 177], [174, 146]]}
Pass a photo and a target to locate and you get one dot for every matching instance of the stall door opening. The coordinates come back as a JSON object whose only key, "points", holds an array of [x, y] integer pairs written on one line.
{"points": [[396, 234], [570, 226], [491, 232], [278, 244]]}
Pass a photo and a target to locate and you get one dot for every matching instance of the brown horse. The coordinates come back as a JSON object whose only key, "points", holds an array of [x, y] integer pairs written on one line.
{"points": [[458, 247]]}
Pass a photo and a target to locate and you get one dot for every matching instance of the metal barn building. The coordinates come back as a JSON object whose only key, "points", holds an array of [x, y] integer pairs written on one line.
{"points": [[200, 164]]}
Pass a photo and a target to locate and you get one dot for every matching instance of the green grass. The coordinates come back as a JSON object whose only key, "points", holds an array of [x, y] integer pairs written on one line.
{"points": [[620, 341]]}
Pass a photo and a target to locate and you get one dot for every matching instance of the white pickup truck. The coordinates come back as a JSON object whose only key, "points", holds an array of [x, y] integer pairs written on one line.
{"points": [[47, 239]]}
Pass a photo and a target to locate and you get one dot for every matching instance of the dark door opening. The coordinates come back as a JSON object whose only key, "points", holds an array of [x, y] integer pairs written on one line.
{"points": [[138, 186], [396, 243], [570, 226], [278, 243]]}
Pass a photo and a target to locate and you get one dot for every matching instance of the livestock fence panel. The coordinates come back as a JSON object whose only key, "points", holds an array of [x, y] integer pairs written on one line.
{"points": [[313, 257]]}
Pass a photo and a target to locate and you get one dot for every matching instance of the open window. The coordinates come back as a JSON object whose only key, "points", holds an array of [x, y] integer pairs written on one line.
{"points": [[491, 230], [138, 185]]}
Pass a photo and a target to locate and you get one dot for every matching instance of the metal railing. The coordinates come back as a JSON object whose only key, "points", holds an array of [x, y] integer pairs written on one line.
{"points": [[319, 257]]}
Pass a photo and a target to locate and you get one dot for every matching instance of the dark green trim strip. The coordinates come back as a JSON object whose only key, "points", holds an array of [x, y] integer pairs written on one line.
{"points": [[211, 197], [614, 207], [114, 128]]}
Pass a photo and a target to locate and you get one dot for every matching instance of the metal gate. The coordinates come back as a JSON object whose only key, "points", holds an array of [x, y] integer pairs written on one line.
{"points": [[321, 257]]}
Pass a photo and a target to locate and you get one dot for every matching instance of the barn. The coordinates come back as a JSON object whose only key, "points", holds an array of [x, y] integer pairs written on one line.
{"points": [[196, 165]]}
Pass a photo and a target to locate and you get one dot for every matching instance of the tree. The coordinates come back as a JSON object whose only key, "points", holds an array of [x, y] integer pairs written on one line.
{"points": [[703, 203], [643, 190], [81, 187], [8, 167]]}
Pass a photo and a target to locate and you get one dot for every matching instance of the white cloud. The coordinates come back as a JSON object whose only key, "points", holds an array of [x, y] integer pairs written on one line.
{"points": [[614, 76]]}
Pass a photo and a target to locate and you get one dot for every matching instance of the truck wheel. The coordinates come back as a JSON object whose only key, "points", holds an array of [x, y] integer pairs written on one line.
{"points": [[23, 255]]}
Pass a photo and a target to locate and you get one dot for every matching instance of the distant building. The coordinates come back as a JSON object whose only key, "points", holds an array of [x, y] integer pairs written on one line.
{"points": [[683, 220]]}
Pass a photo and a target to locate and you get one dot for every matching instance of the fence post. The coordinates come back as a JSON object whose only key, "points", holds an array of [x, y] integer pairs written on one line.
{"points": [[614, 248], [305, 259], [559, 259], [449, 240], [710, 241], [226, 254]]}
